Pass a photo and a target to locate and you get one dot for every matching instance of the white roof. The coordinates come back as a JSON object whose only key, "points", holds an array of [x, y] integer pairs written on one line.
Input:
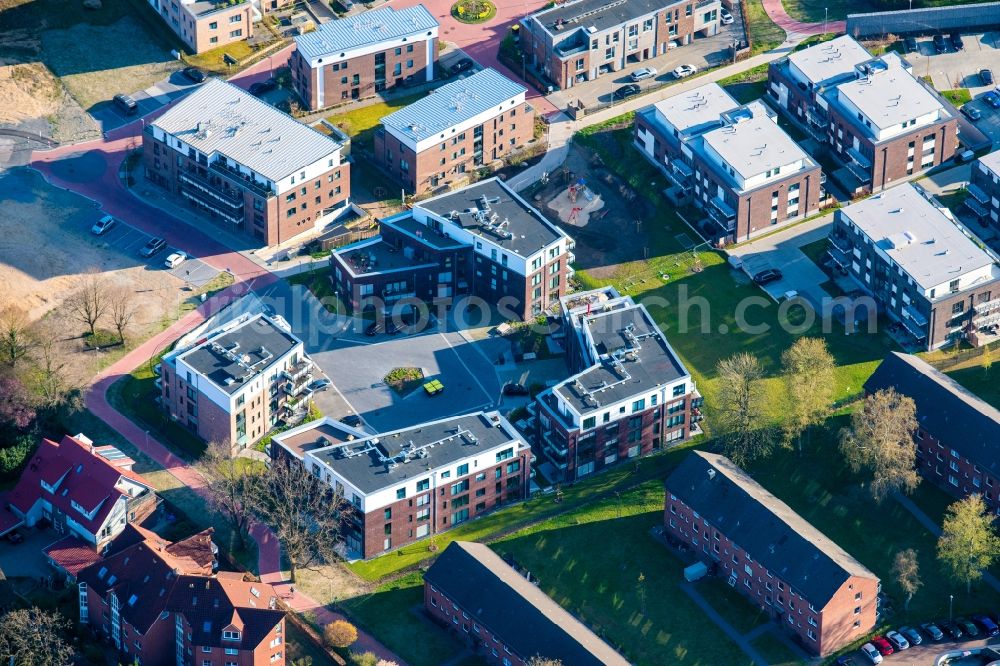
{"points": [[991, 161], [221, 118], [921, 239], [373, 27], [889, 97], [699, 106], [753, 143], [825, 61]]}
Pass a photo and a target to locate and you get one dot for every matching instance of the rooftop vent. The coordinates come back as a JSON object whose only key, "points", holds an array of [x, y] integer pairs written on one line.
{"points": [[711, 474]]}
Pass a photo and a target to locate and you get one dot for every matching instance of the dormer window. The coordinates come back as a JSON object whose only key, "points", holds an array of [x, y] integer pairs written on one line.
{"points": [[230, 635]]}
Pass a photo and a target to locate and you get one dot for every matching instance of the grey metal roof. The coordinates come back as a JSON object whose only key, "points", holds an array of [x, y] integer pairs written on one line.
{"points": [[222, 118], [377, 25], [527, 231], [527, 620], [600, 14], [951, 413], [916, 235], [452, 104], [765, 527], [829, 60]]}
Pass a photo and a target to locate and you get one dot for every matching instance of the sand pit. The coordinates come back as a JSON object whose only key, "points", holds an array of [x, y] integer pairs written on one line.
{"points": [[576, 213]]}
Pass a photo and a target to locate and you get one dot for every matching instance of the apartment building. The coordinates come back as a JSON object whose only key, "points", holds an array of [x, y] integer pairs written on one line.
{"points": [[410, 484], [360, 56], [730, 160], [162, 604], [236, 382], [816, 591], [473, 592], [483, 240], [878, 119], [924, 270], [248, 166], [961, 460], [630, 394], [984, 190], [84, 491], [204, 25], [582, 40], [462, 126]]}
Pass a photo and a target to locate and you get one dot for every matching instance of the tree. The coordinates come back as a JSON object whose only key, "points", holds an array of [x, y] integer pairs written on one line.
{"points": [[808, 368], [17, 411], [364, 659], [121, 309], [742, 418], [968, 544], [304, 513], [231, 484], [50, 364], [15, 340], [340, 634], [34, 637], [906, 569], [89, 303]]}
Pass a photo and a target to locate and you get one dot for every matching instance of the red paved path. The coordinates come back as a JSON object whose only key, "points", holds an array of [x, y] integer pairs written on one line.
{"points": [[777, 12]]}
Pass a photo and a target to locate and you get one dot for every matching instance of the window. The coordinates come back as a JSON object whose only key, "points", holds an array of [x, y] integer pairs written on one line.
{"points": [[213, 25], [230, 636], [423, 485], [401, 493], [505, 454], [589, 422], [958, 308], [639, 405], [462, 470], [680, 390], [236, 33], [388, 514], [514, 467]]}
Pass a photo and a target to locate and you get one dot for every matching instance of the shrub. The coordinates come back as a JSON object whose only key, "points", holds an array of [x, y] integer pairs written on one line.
{"points": [[364, 659], [340, 634], [13, 458]]}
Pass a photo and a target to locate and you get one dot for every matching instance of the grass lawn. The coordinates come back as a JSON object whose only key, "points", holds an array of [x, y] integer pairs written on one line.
{"points": [[298, 645], [318, 282], [764, 34], [807, 10], [958, 96], [213, 61], [730, 604], [775, 652], [980, 380], [360, 124]]}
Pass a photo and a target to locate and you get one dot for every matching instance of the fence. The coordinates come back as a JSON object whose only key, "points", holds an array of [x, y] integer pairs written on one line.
{"points": [[967, 18]]}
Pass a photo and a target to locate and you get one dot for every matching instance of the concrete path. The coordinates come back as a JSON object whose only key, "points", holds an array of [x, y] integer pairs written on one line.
{"points": [[727, 628]]}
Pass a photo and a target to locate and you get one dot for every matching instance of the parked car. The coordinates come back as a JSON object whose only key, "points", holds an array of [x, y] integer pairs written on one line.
{"points": [[194, 74], [261, 87], [940, 45], [351, 420], [626, 91], [643, 73], [968, 626], [103, 225], [932, 630], [956, 41], [319, 384], [725, 18], [347, 5], [846, 660], [513, 388], [912, 635], [374, 329], [898, 640], [986, 76], [989, 627], [909, 44], [394, 327], [873, 655], [767, 276], [461, 66], [682, 71], [175, 259], [951, 629], [125, 104], [971, 112], [152, 247], [15, 537], [883, 646], [993, 99]]}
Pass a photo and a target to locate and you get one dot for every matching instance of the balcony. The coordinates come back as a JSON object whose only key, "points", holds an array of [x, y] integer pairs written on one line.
{"points": [[987, 307], [859, 158], [202, 200], [838, 256], [295, 387], [240, 179], [862, 174], [570, 257], [977, 209], [911, 312], [202, 184], [841, 243], [295, 372], [977, 193], [722, 214]]}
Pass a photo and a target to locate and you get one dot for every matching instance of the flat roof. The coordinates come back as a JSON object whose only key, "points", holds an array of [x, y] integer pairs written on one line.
{"points": [[372, 27], [921, 239], [889, 96], [697, 109], [526, 230], [219, 117], [317, 435], [405, 223], [453, 104], [232, 358], [829, 60], [601, 14], [991, 161], [751, 143], [375, 256], [387, 459]]}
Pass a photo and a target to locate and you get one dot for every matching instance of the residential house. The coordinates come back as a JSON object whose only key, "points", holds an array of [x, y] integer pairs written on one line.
{"points": [[204, 25], [983, 198]]}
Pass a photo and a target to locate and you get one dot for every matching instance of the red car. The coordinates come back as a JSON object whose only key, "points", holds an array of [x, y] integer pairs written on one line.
{"points": [[882, 645]]}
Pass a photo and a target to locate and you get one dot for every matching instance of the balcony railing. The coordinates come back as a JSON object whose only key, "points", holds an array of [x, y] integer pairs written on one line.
{"points": [[841, 243], [724, 209], [294, 387], [987, 307], [241, 179], [977, 193], [570, 257], [192, 179], [298, 370]]}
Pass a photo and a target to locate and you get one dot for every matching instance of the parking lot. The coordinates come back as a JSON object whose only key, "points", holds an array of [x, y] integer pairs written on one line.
{"points": [[109, 116], [129, 240]]}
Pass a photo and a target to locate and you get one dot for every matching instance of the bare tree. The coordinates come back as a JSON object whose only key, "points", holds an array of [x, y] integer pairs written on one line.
{"points": [[968, 544], [50, 363], [121, 308], [231, 485], [906, 569], [89, 303], [35, 637], [742, 417], [305, 514], [880, 441], [809, 378], [15, 339]]}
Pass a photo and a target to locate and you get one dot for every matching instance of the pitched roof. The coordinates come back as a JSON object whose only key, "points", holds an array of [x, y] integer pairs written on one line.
{"points": [[955, 416], [372, 27], [519, 613], [212, 604], [765, 527], [71, 554]]}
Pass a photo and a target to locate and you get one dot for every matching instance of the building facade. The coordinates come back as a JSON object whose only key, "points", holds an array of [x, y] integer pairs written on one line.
{"points": [[582, 40], [360, 56], [923, 270], [815, 590], [204, 25], [483, 240], [730, 160], [475, 594], [233, 385], [253, 169], [410, 484], [984, 190], [630, 394], [462, 126]]}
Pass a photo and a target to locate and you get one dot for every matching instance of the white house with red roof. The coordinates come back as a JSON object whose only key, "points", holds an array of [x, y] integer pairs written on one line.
{"points": [[81, 489]]}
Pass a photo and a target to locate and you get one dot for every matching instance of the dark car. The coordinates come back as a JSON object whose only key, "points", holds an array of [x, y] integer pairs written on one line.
{"points": [[951, 629], [351, 420], [152, 247], [940, 45], [909, 44], [626, 91], [956, 41], [986, 76], [912, 635], [462, 65], [992, 99], [194, 74], [125, 104], [513, 388], [15, 537], [846, 660], [261, 87], [348, 5], [989, 627], [767, 276], [971, 112], [932, 630], [395, 327], [968, 626], [374, 329]]}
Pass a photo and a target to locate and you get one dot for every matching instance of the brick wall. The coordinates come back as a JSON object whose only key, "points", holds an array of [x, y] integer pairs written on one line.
{"points": [[469, 629]]}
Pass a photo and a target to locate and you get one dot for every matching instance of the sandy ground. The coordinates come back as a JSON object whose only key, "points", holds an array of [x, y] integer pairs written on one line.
{"points": [[576, 213]]}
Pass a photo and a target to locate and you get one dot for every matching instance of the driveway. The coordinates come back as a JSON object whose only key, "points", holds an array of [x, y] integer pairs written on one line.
{"points": [[25, 560], [927, 653]]}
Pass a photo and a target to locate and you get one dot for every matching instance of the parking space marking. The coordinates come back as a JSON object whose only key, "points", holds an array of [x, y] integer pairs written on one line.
{"points": [[467, 368]]}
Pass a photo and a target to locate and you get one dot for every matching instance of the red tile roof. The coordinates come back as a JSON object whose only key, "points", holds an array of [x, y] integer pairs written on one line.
{"points": [[71, 554]]}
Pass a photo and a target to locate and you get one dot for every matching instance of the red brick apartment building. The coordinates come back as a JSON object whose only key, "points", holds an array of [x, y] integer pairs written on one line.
{"points": [[582, 40], [630, 393], [204, 25], [880, 121], [504, 618], [483, 240], [958, 432], [730, 160], [254, 170], [807, 583], [361, 56], [163, 604], [462, 126], [984, 190], [410, 484]]}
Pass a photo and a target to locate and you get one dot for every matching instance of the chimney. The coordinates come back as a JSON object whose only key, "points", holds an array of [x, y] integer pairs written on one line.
{"points": [[711, 474]]}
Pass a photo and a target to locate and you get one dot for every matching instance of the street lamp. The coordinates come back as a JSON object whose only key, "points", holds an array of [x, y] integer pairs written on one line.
{"points": [[951, 605]]}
